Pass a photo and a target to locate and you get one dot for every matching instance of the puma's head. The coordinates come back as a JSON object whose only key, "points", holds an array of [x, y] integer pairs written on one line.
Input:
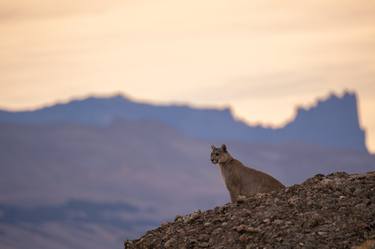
{"points": [[219, 155]]}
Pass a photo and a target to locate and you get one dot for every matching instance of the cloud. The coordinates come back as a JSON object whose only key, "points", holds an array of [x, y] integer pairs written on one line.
{"points": [[210, 52], [19, 10]]}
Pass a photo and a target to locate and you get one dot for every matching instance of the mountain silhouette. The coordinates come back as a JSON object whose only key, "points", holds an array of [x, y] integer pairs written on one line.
{"points": [[331, 122]]}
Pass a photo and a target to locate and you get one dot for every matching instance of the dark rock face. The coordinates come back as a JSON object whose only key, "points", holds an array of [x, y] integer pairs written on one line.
{"points": [[334, 211]]}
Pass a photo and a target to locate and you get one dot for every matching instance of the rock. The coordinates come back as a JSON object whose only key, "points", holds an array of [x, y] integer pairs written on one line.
{"points": [[240, 228], [191, 217], [203, 237], [178, 218], [266, 221], [128, 244], [241, 199], [203, 245], [253, 230], [368, 244], [217, 231], [170, 243], [333, 211], [278, 222], [244, 228], [244, 238]]}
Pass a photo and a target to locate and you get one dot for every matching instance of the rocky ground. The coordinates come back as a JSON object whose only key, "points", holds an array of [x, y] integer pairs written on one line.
{"points": [[333, 211]]}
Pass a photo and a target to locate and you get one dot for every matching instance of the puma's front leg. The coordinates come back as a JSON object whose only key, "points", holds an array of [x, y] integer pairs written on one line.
{"points": [[233, 195]]}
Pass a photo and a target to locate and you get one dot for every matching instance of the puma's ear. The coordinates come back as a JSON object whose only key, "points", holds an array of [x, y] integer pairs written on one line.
{"points": [[224, 148], [212, 147]]}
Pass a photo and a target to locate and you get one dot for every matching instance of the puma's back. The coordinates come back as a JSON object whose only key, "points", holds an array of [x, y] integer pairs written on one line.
{"points": [[239, 179]]}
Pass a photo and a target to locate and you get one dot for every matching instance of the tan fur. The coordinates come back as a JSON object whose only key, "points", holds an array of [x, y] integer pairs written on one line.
{"points": [[239, 179]]}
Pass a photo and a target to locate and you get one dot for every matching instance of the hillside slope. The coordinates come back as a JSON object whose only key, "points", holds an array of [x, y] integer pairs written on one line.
{"points": [[334, 211]]}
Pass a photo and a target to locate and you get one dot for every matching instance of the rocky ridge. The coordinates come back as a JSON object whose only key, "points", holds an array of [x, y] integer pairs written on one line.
{"points": [[333, 211]]}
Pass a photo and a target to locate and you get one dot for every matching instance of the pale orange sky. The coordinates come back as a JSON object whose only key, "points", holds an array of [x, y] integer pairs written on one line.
{"points": [[260, 57]]}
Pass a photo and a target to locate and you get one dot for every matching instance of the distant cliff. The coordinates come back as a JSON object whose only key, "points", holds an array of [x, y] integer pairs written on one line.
{"points": [[332, 122], [334, 211]]}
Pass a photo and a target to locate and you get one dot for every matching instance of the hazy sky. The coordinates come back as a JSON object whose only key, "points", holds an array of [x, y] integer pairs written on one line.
{"points": [[260, 57]]}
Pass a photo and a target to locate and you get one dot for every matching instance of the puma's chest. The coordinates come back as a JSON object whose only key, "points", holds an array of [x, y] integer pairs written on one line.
{"points": [[230, 177]]}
